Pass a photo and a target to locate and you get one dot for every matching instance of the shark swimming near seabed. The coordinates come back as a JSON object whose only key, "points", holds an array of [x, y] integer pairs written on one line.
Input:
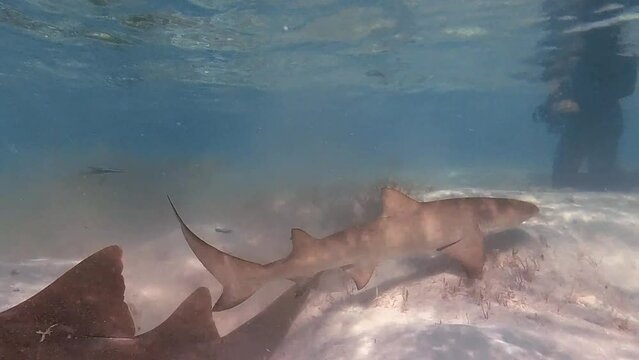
{"points": [[455, 227], [82, 315]]}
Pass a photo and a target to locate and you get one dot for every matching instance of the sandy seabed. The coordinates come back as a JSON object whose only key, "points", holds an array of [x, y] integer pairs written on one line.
{"points": [[565, 285]]}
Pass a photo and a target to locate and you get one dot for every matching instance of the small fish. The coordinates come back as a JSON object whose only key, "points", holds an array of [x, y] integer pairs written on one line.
{"points": [[96, 170], [223, 230], [375, 73]]}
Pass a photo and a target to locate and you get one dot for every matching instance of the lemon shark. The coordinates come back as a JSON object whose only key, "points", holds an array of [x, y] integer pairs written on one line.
{"points": [[455, 227], [82, 315]]}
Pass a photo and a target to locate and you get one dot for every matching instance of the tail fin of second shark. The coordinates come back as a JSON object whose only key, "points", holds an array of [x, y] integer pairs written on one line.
{"points": [[190, 325], [239, 278], [87, 300]]}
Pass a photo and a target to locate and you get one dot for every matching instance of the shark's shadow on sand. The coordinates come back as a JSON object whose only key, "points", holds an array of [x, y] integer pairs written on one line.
{"points": [[82, 315], [453, 341]]}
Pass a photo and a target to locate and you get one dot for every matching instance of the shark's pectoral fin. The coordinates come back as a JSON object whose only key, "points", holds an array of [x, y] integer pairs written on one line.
{"points": [[469, 251], [360, 273], [395, 202]]}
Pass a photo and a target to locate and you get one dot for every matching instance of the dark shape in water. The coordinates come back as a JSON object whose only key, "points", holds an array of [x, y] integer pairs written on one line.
{"points": [[223, 230], [96, 170], [375, 73], [588, 72]]}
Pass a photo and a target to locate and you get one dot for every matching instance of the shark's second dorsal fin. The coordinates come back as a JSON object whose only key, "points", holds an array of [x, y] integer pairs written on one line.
{"points": [[191, 323], [301, 240], [87, 300], [395, 202]]}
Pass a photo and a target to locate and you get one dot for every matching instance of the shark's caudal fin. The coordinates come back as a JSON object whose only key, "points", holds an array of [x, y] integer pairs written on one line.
{"points": [[190, 325], [87, 300], [239, 278]]}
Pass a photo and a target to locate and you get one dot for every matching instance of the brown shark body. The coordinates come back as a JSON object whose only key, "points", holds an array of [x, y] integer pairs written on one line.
{"points": [[82, 315], [455, 227]]}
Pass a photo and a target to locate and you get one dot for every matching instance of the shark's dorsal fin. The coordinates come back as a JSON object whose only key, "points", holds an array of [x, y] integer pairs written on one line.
{"points": [[87, 300], [301, 240], [190, 324], [360, 273], [395, 202]]}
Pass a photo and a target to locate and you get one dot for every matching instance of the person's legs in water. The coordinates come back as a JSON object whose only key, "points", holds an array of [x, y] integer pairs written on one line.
{"points": [[569, 154], [589, 140], [605, 132]]}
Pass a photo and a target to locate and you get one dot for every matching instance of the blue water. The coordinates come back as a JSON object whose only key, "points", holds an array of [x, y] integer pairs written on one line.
{"points": [[312, 131], [208, 100]]}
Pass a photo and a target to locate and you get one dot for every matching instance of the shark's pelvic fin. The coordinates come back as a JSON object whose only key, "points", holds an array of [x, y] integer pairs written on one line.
{"points": [[395, 203], [87, 300], [190, 324], [469, 251], [301, 241], [239, 278], [360, 273]]}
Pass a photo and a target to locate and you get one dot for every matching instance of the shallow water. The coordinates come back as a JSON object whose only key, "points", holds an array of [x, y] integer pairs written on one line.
{"points": [[257, 117]]}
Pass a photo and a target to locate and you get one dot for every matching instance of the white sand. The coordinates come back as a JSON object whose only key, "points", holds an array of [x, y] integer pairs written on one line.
{"points": [[565, 286]]}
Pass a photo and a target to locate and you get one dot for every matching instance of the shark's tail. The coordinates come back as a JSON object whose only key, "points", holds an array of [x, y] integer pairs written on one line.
{"points": [[87, 300], [239, 278], [190, 325]]}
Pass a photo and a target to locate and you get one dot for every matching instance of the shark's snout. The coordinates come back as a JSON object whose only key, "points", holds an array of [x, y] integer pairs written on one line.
{"points": [[524, 210], [503, 214], [529, 209]]}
